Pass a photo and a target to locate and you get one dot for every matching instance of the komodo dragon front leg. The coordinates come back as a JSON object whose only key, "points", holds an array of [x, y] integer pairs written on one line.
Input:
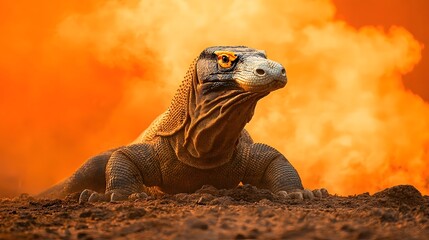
{"points": [[269, 169], [128, 172]]}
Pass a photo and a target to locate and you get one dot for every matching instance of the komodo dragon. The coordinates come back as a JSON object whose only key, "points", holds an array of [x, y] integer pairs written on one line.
{"points": [[200, 139]]}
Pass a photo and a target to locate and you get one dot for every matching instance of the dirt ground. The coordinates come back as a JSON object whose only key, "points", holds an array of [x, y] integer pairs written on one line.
{"points": [[400, 212]]}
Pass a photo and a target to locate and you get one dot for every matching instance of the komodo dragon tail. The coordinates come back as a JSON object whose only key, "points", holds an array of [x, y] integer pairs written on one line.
{"points": [[91, 175]]}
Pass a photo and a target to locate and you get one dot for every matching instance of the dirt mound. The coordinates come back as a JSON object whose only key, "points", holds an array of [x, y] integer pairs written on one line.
{"points": [[245, 212], [399, 195]]}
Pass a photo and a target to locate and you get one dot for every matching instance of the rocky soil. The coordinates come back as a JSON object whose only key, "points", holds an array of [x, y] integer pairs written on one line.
{"points": [[400, 212]]}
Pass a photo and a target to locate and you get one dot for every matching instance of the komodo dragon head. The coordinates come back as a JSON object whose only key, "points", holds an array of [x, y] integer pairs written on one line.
{"points": [[237, 70], [216, 100]]}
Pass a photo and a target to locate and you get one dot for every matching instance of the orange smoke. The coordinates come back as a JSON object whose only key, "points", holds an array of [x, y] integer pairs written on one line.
{"points": [[411, 16], [79, 80]]}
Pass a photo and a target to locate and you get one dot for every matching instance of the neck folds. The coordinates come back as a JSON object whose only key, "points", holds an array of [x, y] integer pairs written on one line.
{"points": [[211, 133]]}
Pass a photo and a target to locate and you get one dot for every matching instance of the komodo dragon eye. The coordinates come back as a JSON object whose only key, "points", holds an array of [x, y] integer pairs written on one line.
{"points": [[225, 58]]}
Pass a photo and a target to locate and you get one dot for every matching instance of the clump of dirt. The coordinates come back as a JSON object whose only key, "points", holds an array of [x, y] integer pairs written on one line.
{"points": [[247, 193], [400, 212]]}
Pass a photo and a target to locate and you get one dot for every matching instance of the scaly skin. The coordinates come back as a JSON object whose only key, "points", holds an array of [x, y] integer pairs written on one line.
{"points": [[199, 140]]}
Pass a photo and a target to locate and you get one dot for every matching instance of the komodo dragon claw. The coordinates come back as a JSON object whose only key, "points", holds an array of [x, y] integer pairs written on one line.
{"points": [[88, 195], [304, 194]]}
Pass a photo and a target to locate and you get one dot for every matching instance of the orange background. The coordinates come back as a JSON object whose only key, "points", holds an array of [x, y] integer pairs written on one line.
{"points": [[409, 14], [76, 79]]}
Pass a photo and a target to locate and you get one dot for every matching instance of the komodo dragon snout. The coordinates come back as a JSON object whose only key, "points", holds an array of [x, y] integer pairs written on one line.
{"points": [[199, 140]]}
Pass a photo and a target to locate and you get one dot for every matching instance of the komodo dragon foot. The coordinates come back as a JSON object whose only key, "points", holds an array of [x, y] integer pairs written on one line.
{"points": [[92, 196], [88, 195], [304, 194]]}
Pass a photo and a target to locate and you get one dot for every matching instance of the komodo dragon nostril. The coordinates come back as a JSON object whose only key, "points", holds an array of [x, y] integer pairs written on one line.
{"points": [[260, 72], [283, 72]]}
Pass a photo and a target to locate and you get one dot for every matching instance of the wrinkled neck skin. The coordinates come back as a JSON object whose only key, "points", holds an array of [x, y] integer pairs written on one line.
{"points": [[214, 125]]}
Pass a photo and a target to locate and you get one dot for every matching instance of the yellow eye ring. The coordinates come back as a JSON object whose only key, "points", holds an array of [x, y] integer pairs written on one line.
{"points": [[225, 58]]}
